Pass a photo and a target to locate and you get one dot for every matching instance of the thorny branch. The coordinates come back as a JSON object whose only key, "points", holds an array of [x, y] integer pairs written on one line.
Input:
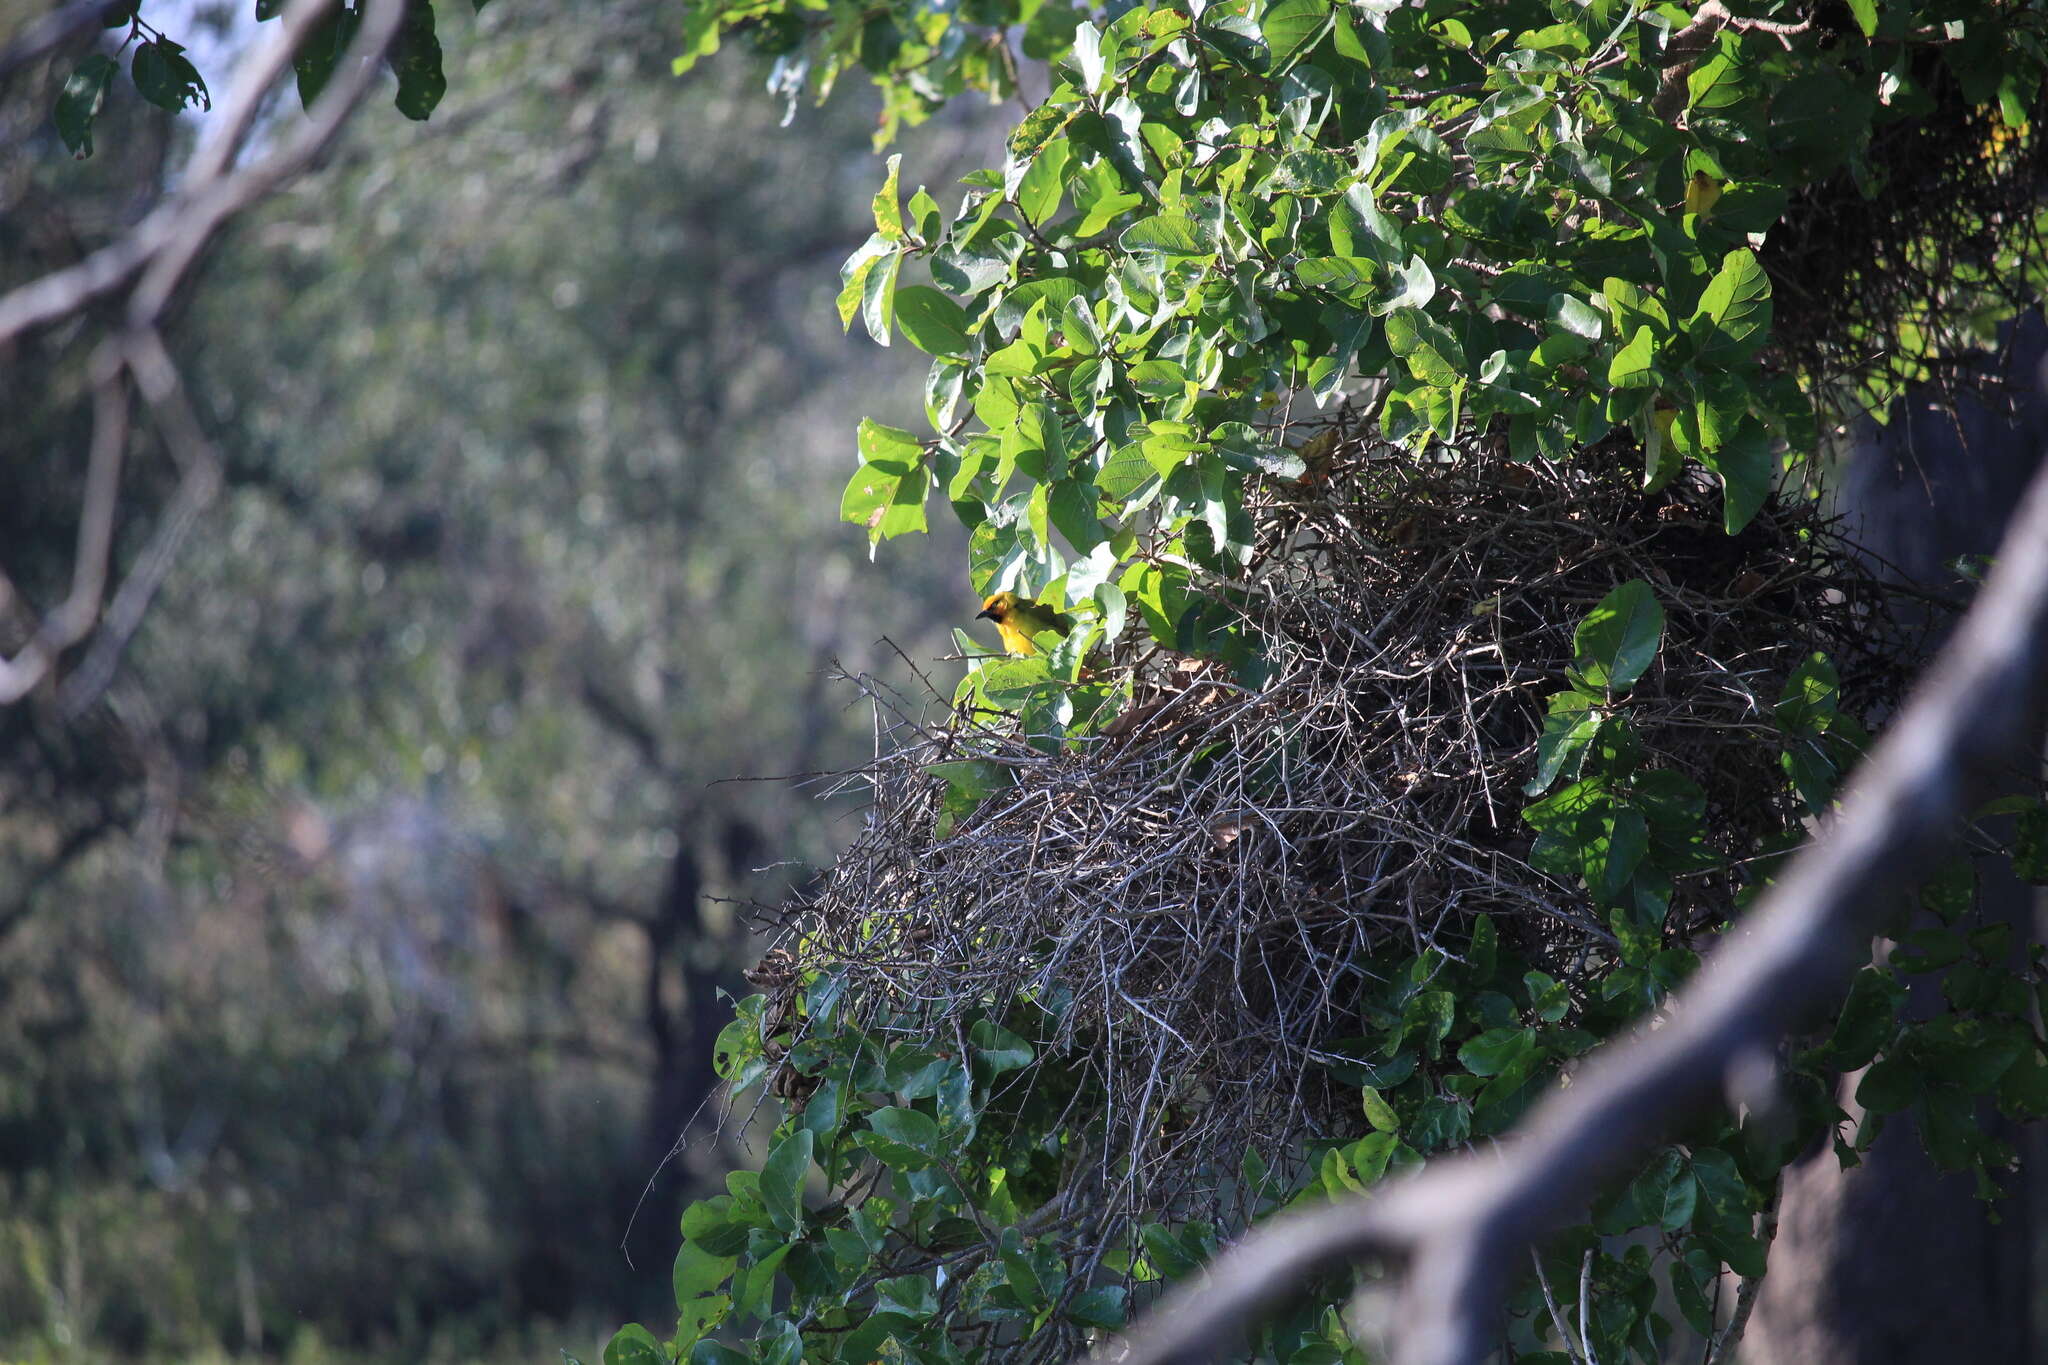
{"points": [[152, 262], [1459, 1228]]}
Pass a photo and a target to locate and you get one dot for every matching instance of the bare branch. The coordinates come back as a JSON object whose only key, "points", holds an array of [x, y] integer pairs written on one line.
{"points": [[164, 391], [1464, 1223], [158, 255]]}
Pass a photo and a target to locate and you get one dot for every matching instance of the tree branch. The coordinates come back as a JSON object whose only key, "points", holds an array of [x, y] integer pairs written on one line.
{"points": [[157, 256], [1462, 1224]]}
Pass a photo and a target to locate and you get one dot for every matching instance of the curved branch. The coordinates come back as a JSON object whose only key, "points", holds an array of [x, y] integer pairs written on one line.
{"points": [[1463, 1223], [161, 251]]}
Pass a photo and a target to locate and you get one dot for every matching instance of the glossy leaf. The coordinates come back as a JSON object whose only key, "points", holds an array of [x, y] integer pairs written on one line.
{"points": [[1618, 640]]}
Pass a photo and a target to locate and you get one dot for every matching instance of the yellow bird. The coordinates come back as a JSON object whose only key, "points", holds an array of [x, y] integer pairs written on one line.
{"points": [[1018, 619]]}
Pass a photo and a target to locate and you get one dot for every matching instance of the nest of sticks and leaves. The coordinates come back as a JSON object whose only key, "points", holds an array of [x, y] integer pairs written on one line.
{"points": [[1192, 904]]}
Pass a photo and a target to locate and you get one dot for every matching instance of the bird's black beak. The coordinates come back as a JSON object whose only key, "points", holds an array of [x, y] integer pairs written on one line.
{"points": [[990, 614]]}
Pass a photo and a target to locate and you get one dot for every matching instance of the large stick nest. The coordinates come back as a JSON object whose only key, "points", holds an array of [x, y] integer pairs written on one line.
{"points": [[1193, 904]]}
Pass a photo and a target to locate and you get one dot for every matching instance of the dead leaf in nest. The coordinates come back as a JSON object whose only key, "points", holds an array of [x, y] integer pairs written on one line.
{"points": [[777, 968], [792, 1086], [1227, 829], [1128, 721], [1747, 583]]}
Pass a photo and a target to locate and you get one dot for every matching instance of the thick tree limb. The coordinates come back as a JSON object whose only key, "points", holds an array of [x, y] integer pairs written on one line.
{"points": [[1461, 1226], [156, 257]]}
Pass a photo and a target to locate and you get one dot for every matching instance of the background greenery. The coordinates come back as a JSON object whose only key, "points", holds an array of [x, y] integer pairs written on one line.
{"points": [[355, 957]]}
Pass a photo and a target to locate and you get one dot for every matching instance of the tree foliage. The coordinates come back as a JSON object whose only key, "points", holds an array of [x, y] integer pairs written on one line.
{"points": [[1231, 241]]}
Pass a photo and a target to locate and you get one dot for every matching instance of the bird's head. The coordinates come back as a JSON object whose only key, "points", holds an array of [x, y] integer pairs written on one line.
{"points": [[997, 606]]}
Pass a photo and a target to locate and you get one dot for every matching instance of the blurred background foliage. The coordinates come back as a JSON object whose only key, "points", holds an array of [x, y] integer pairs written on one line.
{"points": [[360, 950]]}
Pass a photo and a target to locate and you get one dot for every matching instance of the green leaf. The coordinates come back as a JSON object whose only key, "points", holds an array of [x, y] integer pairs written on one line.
{"points": [[1577, 317], [1691, 1277], [1618, 640], [1635, 365], [1615, 854], [902, 1138], [697, 1317], [1748, 471], [634, 1345], [1102, 1307], [1411, 286], [878, 297], [1428, 1016], [315, 60], [2030, 845], [2023, 1093], [1733, 313], [888, 207], [1888, 1086], [1086, 57], [1681, 1197], [698, 1271], [1349, 278], [1722, 82], [754, 1284], [1169, 445], [80, 101], [780, 1343], [887, 493], [1430, 350], [854, 275], [1495, 1050], [911, 1295], [416, 60], [1550, 998], [1370, 1156], [1291, 28], [1170, 235], [996, 1048], [1039, 188], [1865, 14], [166, 78], [931, 321], [782, 1180], [1808, 701], [718, 1225], [1567, 730], [1440, 1124], [1168, 1251], [1055, 292]]}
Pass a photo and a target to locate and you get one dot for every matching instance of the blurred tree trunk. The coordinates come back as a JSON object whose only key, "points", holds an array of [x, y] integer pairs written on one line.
{"points": [[1892, 1260]]}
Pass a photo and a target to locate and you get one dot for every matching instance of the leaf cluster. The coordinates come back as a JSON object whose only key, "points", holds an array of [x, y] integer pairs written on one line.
{"points": [[165, 77]]}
